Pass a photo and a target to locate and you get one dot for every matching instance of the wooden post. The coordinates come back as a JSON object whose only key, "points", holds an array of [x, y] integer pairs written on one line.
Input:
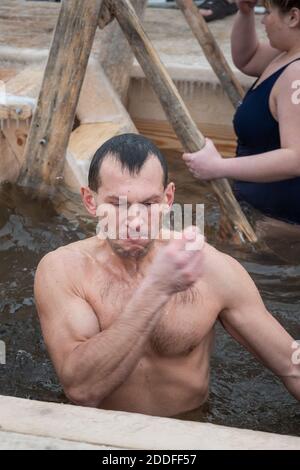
{"points": [[175, 109], [55, 112], [212, 51], [116, 55]]}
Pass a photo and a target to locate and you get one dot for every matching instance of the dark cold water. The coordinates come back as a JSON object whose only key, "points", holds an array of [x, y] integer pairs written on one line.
{"points": [[243, 392]]}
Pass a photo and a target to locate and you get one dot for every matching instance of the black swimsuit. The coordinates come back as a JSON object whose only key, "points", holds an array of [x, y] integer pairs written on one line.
{"points": [[258, 132]]}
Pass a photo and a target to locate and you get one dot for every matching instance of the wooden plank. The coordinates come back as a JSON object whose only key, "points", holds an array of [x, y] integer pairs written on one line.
{"points": [[162, 133], [102, 115], [87, 138], [55, 112], [84, 142], [16, 111], [20, 93], [22, 57], [9, 164], [26, 83], [129, 430], [6, 74], [177, 113], [27, 24], [15, 441], [16, 136], [30, 24], [99, 102]]}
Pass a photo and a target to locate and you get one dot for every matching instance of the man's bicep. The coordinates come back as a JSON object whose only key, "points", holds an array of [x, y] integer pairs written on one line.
{"points": [[249, 322], [67, 320]]}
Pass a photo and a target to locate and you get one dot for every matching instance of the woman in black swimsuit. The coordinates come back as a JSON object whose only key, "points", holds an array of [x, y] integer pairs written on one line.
{"points": [[267, 123]]}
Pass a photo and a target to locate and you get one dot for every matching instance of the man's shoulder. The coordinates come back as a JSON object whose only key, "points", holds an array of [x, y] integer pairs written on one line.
{"points": [[221, 269], [65, 260], [228, 278], [214, 258]]}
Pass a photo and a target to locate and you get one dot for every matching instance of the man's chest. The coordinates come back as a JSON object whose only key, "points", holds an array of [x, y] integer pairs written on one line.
{"points": [[183, 322]]}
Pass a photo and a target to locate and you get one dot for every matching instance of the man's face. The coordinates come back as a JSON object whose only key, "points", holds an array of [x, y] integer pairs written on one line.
{"points": [[129, 207]]}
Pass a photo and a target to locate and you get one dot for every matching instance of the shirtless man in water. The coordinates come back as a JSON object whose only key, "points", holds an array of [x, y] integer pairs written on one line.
{"points": [[129, 323]]}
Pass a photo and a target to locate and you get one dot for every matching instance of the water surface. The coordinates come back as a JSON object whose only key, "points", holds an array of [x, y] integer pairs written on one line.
{"points": [[243, 392]]}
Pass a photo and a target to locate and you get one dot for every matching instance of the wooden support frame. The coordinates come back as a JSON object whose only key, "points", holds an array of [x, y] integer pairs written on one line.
{"points": [[175, 109], [212, 51], [115, 53], [55, 112]]}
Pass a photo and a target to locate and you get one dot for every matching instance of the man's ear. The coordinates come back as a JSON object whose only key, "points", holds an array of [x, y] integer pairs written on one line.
{"points": [[89, 200], [170, 194]]}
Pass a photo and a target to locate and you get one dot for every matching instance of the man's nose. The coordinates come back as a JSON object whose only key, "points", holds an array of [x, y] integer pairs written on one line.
{"points": [[135, 223]]}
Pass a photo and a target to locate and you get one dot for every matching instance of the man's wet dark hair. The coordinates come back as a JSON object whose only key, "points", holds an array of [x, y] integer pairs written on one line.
{"points": [[132, 151]]}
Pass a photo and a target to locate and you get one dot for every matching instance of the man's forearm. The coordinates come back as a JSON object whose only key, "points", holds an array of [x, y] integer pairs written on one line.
{"points": [[244, 41], [98, 366], [293, 384]]}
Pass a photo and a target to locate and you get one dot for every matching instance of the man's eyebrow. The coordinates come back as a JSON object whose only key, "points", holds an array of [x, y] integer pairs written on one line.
{"points": [[153, 196], [113, 196]]}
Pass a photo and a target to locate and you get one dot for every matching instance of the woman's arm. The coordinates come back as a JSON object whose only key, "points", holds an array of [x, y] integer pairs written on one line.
{"points": [[268, 167], [276, 165], [248, 54]]}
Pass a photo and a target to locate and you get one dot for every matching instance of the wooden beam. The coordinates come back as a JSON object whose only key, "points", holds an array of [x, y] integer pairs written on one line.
{"points": [[175, 109], [18, 99], [16, 441], [212, 51], [129, 430], [15, 134], [163, 135], [17, 111], [9, 164], [105, 16], [55, 112], [115, 54], [98, 100], [84, 142]]}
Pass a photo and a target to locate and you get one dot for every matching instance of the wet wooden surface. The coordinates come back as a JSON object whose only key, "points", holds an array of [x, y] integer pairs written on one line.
{"points": [[111, 429], [15, 441]]}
